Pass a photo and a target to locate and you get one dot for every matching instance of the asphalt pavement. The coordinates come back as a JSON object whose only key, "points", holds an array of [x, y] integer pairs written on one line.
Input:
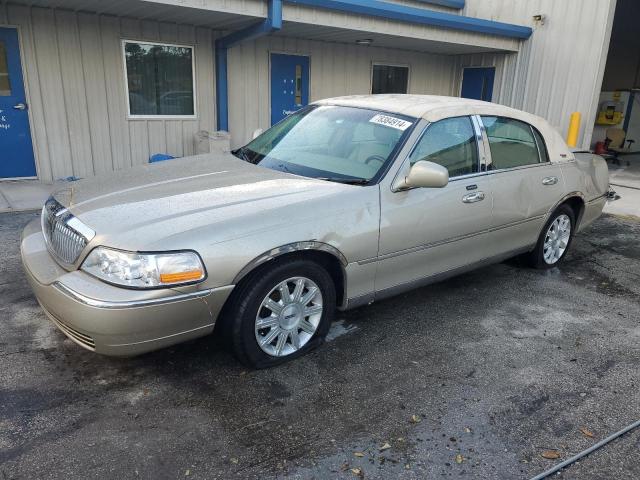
{"points": [[477, 377]]}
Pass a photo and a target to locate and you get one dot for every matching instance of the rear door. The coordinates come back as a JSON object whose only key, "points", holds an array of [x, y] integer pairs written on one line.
{"points": [[428, 231], [525, 184]]}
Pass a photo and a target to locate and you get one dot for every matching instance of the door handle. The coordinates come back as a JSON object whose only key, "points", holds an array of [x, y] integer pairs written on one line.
{"points": [[20, 106], [473, 197], [549, 180]]}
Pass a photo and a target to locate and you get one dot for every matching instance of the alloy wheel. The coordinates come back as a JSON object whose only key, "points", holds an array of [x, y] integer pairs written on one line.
{"points": [[288, 316], [557, 239]]}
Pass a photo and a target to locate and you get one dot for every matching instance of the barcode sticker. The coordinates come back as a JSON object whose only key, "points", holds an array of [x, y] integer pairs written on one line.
{"points": [[392, 122]]}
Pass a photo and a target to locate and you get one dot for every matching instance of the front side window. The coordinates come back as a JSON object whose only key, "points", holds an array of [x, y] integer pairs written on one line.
{"points": [[389, 79], [159, 79], [451, 143], [342, 144], [512, 143]]}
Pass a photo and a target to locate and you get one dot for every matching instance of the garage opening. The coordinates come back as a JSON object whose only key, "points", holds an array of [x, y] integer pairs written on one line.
{"points": [[617, 127]]}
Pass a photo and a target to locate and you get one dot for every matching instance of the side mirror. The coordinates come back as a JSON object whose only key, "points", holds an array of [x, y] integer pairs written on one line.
{"points": [[424, 174], [256, 133]]}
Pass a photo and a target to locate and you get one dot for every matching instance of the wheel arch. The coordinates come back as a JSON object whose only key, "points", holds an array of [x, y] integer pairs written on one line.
{"points": [[332, 259], [577, 203]]}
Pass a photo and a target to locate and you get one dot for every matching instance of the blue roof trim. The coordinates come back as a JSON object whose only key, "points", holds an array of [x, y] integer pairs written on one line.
{"points": [[459, 4], [392, 11]]}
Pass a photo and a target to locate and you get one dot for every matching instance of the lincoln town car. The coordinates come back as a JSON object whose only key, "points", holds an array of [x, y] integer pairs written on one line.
{"points": [[343, 203]]}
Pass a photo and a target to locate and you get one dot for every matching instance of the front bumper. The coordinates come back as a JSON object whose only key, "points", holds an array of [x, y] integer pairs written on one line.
{"points": [[112, 320]]}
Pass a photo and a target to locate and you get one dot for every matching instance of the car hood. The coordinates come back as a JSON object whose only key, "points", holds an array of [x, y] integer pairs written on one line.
{"points": [[137, 207]]}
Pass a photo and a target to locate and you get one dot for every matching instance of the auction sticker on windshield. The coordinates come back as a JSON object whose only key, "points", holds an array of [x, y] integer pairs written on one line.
{"points": [[392, 122]]}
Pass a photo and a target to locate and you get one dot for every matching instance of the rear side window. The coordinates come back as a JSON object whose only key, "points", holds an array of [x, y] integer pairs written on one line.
{"points": [[512, 143], [451, 143]]}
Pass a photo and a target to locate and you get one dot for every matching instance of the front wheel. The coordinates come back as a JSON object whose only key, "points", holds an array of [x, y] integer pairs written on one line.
{"points": [[281, 313], [554, 240]]}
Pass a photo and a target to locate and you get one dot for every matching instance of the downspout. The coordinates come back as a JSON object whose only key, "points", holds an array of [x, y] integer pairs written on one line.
{"points": [[271, 24]]}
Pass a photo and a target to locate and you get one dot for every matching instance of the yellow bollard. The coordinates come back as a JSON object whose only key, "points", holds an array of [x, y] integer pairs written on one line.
{"points": [[574, 129]]}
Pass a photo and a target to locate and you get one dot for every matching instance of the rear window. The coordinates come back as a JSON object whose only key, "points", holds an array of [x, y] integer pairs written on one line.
{"points": [[512, 143]]}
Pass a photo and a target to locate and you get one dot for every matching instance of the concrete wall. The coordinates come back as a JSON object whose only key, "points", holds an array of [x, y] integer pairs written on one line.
{"points": [[335, 69], [76, 89]]}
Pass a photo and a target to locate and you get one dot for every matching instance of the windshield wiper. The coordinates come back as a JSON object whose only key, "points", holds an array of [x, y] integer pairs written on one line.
{"points": [[241, 153], [348, 181]]}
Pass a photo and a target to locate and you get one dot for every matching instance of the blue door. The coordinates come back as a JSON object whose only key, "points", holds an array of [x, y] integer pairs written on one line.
{"points": [[16, 150], [289, 85], [477, 83]]}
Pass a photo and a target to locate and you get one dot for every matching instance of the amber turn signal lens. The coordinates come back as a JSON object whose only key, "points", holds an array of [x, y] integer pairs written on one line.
{"points": [[181, 276]]}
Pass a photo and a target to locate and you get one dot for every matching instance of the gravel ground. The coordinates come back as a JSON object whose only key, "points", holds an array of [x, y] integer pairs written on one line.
{"points": [[471, 378]]}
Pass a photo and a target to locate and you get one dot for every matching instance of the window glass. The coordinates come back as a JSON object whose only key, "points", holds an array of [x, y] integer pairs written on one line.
{"points": [[542, 147], [512, 143], [341, 143], [389, 79], [5, 86], [451, 143], [160, 79]]}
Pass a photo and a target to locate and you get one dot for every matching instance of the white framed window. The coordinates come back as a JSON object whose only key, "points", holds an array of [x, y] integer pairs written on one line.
{"points": [[386, 78], [159, 79]]}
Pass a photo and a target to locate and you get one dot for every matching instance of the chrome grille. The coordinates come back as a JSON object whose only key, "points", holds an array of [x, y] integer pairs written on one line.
{"points": [[65, 235]]}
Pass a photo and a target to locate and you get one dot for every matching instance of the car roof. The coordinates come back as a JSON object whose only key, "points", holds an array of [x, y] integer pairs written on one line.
{"points": [[435, 107], [429, 107]]}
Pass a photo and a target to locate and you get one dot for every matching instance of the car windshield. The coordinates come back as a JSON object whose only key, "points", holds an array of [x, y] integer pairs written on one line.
{"points": [[340, 144]]}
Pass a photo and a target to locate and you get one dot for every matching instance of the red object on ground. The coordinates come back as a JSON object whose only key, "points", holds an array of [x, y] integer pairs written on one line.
{"points": [[600, 148]]}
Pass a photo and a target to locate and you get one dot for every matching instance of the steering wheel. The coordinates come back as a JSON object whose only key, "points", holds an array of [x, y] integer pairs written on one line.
{"points": [[375, 158]]}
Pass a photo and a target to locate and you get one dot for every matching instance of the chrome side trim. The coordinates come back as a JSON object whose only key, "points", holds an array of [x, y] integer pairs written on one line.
{"points": [[598, 198], [446, 241], [92, 302], [437, 277], [290, 248]]}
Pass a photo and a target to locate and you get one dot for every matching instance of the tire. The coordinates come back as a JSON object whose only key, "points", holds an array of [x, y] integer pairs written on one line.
{"points": [[248, 307], [549, 251]]}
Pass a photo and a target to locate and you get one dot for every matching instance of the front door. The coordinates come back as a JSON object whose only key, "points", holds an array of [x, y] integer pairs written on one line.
{"points": [[477, 83], [289, 85], [430, 231], [16, 150]]}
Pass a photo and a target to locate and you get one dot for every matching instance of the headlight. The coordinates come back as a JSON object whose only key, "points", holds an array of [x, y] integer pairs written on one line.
{"points": [[144, 270]]}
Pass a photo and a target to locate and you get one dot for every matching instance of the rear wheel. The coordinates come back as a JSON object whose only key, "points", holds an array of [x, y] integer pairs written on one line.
{"points": [[281, 313], [554, 240]]}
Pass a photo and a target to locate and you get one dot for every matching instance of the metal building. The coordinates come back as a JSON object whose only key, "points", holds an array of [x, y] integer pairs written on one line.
{"points": [[89, 86]]}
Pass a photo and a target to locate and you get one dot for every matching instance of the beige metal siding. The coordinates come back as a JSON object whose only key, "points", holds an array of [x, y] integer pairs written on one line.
{"points": [[335, 69], [309, 18], [559, 69], [76, 90]]}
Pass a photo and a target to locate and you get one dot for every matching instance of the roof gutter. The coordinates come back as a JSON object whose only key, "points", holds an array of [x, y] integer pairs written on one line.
{"points": [[271, 24], [423, 16]]}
